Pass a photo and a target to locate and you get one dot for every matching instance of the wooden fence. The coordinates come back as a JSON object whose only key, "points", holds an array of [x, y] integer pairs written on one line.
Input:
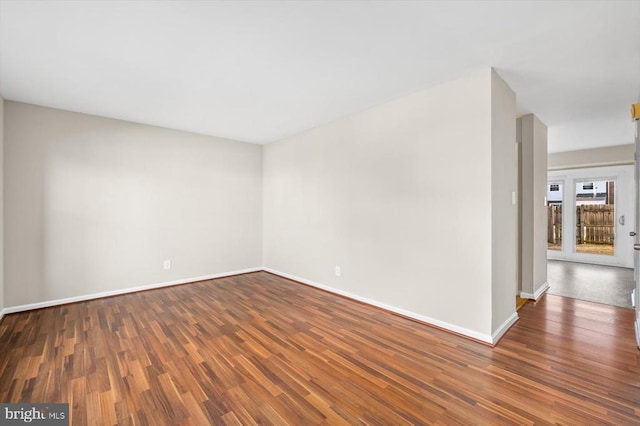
{"points": [[595, 224], [554, 224]]}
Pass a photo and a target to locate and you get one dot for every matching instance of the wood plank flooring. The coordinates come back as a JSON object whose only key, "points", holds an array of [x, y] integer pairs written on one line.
{"points": [[259, 349], [520, 302]]}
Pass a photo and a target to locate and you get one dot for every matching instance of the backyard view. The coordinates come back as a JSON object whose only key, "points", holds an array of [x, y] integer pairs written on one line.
{"points": [[554, 216], [594, 217]]}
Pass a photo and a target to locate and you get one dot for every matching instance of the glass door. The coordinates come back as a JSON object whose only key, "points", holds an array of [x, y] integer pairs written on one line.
{"points": [[590, 213], [636, 252], [595, 217], [554, 215]]}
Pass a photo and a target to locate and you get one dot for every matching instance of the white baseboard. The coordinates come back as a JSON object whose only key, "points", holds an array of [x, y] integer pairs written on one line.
{"points": [[486, 338], [490, 339], [589, 261], [497, 335], [536, 295], [56, 302]]}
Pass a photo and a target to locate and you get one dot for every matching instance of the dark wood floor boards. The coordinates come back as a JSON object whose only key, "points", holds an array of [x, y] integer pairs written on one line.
{"points": [[259, 349]]}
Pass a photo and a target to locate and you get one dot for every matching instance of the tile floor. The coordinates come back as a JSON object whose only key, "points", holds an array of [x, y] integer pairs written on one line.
{"points": [[595, 283]]}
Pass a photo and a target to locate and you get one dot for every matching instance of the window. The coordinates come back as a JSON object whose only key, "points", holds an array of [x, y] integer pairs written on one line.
{"points": [[595, 218], [554, 216]]}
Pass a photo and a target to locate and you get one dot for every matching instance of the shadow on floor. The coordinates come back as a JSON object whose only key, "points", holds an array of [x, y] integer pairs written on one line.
{"points": [[595, 283]]}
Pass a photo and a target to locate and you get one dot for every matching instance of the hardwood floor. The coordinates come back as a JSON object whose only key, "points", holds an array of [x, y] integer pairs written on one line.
{"points": [[520, 302], [261, 349]]}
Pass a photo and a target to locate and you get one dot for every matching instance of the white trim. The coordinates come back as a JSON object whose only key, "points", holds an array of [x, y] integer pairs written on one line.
{"points": [[497, 335], [590, 165], [536, 295], [441, 324], [624, 205], [490, 339], [56, 302], [637, 333], [552, 255]]}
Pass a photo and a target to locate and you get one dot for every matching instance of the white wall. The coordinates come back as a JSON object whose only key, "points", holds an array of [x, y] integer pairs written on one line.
{"points": [[607, 156], [2, 168], [402, 198], [95, 204], [539, 206], [532, 134], [504, 218]]}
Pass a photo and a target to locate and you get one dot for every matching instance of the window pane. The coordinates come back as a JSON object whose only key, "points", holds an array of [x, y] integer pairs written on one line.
{"points": [[554, 216], [595, 217]]}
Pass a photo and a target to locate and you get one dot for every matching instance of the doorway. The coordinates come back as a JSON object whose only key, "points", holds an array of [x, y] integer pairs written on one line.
{"points": [[590, 213], [610, 285], [595, 217], [554, 215]]}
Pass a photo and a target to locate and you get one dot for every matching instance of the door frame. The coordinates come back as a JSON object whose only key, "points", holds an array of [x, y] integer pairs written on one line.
{"points": [[624, 206], [636, 253]]}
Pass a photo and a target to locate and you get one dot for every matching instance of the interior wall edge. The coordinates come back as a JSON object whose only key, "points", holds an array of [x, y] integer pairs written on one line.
{"points": [[536, 294], [2, 171], [452, 328], [503, 328], [118, 292]]}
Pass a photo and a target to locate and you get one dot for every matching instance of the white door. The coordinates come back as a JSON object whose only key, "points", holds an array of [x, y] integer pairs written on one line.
{"points": [[636, 257], [565, 187]]}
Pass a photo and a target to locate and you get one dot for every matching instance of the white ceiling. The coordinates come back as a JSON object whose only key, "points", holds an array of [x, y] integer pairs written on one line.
{"points": [[259, 71]]}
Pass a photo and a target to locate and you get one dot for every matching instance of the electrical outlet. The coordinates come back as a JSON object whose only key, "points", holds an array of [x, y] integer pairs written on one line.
{"points": [[338, 271], [167, 264]]}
